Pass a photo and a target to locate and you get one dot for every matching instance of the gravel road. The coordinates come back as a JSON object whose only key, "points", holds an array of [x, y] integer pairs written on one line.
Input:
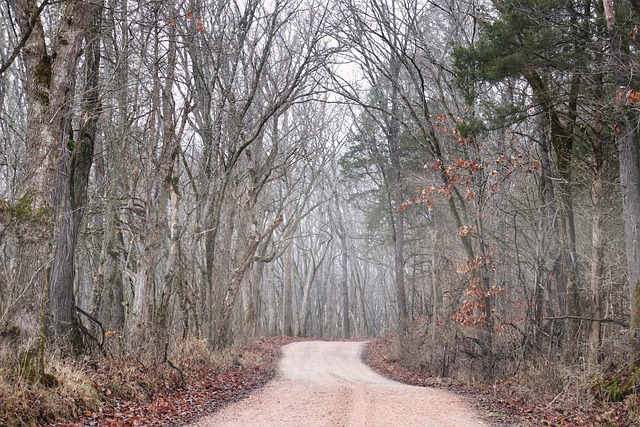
{"points": [[326, 384]]}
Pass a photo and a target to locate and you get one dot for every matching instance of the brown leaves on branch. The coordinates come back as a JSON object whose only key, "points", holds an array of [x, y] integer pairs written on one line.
{"points": [[473, 311], [199, 24], [466, 232], [444, 126], [468, 176], [627, 96]]}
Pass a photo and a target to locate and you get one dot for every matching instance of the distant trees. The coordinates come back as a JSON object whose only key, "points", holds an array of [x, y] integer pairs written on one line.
{"points": [[377, 36], [174, 140], [419, 131], [522, 105]]}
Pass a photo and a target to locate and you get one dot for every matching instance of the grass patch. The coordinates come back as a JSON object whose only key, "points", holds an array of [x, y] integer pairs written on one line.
{"points": [[27, 403]]}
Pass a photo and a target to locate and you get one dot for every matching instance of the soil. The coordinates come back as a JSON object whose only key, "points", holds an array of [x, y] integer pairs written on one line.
{"points": [[326, 384]]}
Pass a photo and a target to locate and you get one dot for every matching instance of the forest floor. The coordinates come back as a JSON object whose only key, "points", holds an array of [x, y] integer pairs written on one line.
{"points": [[198, 391], [170, 399], [512, 402]]}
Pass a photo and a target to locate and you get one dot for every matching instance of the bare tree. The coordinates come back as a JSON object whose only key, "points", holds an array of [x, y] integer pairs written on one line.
{"points": [[53, 186]]}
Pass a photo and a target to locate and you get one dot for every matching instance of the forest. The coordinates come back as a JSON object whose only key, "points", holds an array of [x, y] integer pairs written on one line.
{"points": [[461, 177]]}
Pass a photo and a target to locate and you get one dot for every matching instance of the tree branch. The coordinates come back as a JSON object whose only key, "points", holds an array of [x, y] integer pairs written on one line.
{"points": [[590, 319], [16, 50], [97, 322]]}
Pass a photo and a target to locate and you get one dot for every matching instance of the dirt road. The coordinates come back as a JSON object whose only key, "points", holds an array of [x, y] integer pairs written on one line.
{"points": [[326, 384]]}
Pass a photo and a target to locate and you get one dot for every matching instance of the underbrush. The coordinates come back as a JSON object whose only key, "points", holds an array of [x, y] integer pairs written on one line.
{"points": [[524, 386], [25, 403], [109, 390]]}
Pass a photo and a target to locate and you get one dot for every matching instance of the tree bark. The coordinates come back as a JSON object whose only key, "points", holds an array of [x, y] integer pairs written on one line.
{"points": [[57, 167], [629, 158], [344, 271], [393, 141], [223, 334], [597, 234], [73, 179], [287, 293]]}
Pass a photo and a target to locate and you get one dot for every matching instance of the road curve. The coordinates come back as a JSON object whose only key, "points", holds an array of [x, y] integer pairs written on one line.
{"points": [[326, 384]]}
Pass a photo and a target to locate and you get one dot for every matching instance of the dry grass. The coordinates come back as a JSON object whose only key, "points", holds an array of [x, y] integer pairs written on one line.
{"points": [[24, 403], [194, 354], [87, 385]]}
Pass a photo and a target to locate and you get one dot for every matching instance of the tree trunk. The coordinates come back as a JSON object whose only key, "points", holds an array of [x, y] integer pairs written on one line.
{"points": [[344, 272], [160, 195], [630, 182], [287, 292], [169, 198], [597, 232], [223, 334], [57, 168], [629, 157], [74, 180], [597, 252], [393, 140], [559, 262], [363, 319], [307, 284]]}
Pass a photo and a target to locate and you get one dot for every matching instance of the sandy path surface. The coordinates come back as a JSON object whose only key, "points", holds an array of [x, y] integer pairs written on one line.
{"points": [[326, 384]]}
